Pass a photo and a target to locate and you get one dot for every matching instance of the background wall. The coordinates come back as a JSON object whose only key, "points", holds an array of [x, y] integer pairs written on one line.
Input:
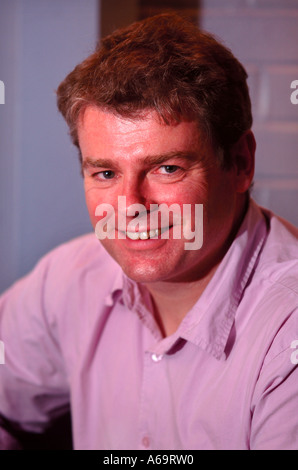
{"points": [[41, 194], [263, 34]]}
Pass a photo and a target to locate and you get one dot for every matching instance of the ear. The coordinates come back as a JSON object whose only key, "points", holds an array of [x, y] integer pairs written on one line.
{"points": [[243, 157]]}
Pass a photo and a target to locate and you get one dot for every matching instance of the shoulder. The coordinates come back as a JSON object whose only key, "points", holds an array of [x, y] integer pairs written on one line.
{"points": [[78, 254], [279, 258], [72, 269], [76, 263], [270, 300]]}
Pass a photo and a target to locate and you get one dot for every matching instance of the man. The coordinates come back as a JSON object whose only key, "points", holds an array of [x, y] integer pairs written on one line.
{"points": [[159, 338]]}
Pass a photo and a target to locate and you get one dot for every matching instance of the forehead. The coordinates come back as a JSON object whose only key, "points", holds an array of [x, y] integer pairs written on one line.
{"points": [[100, 131]]}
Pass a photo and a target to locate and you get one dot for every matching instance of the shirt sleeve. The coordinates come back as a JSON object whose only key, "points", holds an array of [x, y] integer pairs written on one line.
{"points": [[274, 413], [33, 382]]}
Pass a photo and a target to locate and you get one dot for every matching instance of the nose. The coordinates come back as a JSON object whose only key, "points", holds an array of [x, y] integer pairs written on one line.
{"points": [[135, 189]]}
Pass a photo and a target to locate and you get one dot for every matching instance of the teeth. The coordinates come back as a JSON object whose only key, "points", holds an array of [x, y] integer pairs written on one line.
{"points": [[133, 235], [143, 235], [154, 233]]}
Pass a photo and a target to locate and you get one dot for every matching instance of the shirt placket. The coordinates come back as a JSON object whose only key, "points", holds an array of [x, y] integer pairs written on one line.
{"points": [[153, 366]]}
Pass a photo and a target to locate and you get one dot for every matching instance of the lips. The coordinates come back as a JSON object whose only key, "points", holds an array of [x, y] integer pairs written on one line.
{"points": [[143, 235]]}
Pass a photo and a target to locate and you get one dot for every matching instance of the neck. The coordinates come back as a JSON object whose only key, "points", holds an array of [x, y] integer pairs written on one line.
{"points": [[173, 300], [181, 295]]}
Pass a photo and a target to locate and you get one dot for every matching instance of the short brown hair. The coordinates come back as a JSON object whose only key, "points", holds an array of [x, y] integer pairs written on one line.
{"points": [[167, 64]]}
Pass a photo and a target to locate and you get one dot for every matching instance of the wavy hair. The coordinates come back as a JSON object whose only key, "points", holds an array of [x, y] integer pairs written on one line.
{"points": [[163, 63]]}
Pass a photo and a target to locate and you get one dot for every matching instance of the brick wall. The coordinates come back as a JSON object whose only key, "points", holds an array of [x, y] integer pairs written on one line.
{"points": [[263, 34]]}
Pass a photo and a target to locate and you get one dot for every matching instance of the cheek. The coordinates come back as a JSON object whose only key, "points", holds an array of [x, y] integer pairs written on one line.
{"points": [[92, 201], [190, 193], [91, 206]]}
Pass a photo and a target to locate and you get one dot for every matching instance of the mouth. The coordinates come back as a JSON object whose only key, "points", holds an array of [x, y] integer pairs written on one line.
{"points": [[143, 235], [147, 234]]}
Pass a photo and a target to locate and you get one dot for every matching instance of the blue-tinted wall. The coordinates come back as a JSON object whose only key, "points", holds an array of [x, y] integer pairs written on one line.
{"points": [[41, 194]]}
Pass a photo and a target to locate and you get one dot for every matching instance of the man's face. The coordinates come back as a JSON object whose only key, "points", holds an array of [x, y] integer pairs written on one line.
{"points": [[149, 162]]}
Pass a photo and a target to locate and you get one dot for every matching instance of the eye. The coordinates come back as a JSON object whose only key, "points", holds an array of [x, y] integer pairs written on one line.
{"points": [[169, 169], [105, 175]]}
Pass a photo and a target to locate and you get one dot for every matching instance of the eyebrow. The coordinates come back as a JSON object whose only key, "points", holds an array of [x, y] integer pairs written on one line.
{"points": [[149, 160], [159, 159], [98, 163]]}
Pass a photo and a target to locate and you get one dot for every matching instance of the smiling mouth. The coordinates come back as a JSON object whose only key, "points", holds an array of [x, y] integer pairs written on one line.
{"points": [[145, 235]]}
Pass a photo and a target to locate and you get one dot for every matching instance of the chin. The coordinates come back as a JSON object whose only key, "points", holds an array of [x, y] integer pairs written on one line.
{"points": [[143, 274], [146, 267]]}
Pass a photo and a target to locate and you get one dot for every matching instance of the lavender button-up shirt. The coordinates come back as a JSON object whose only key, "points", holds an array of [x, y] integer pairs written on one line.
{"points": [[77, 331]]}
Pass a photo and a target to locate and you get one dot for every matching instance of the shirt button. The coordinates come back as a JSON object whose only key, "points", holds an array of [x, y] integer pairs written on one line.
{"points": [[146, 441], [156, 357]]}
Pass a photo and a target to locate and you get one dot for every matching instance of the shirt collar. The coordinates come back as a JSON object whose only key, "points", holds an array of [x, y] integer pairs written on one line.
{"points": [[117, 288], [221, 298], [135, 297], [219, 301]]}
